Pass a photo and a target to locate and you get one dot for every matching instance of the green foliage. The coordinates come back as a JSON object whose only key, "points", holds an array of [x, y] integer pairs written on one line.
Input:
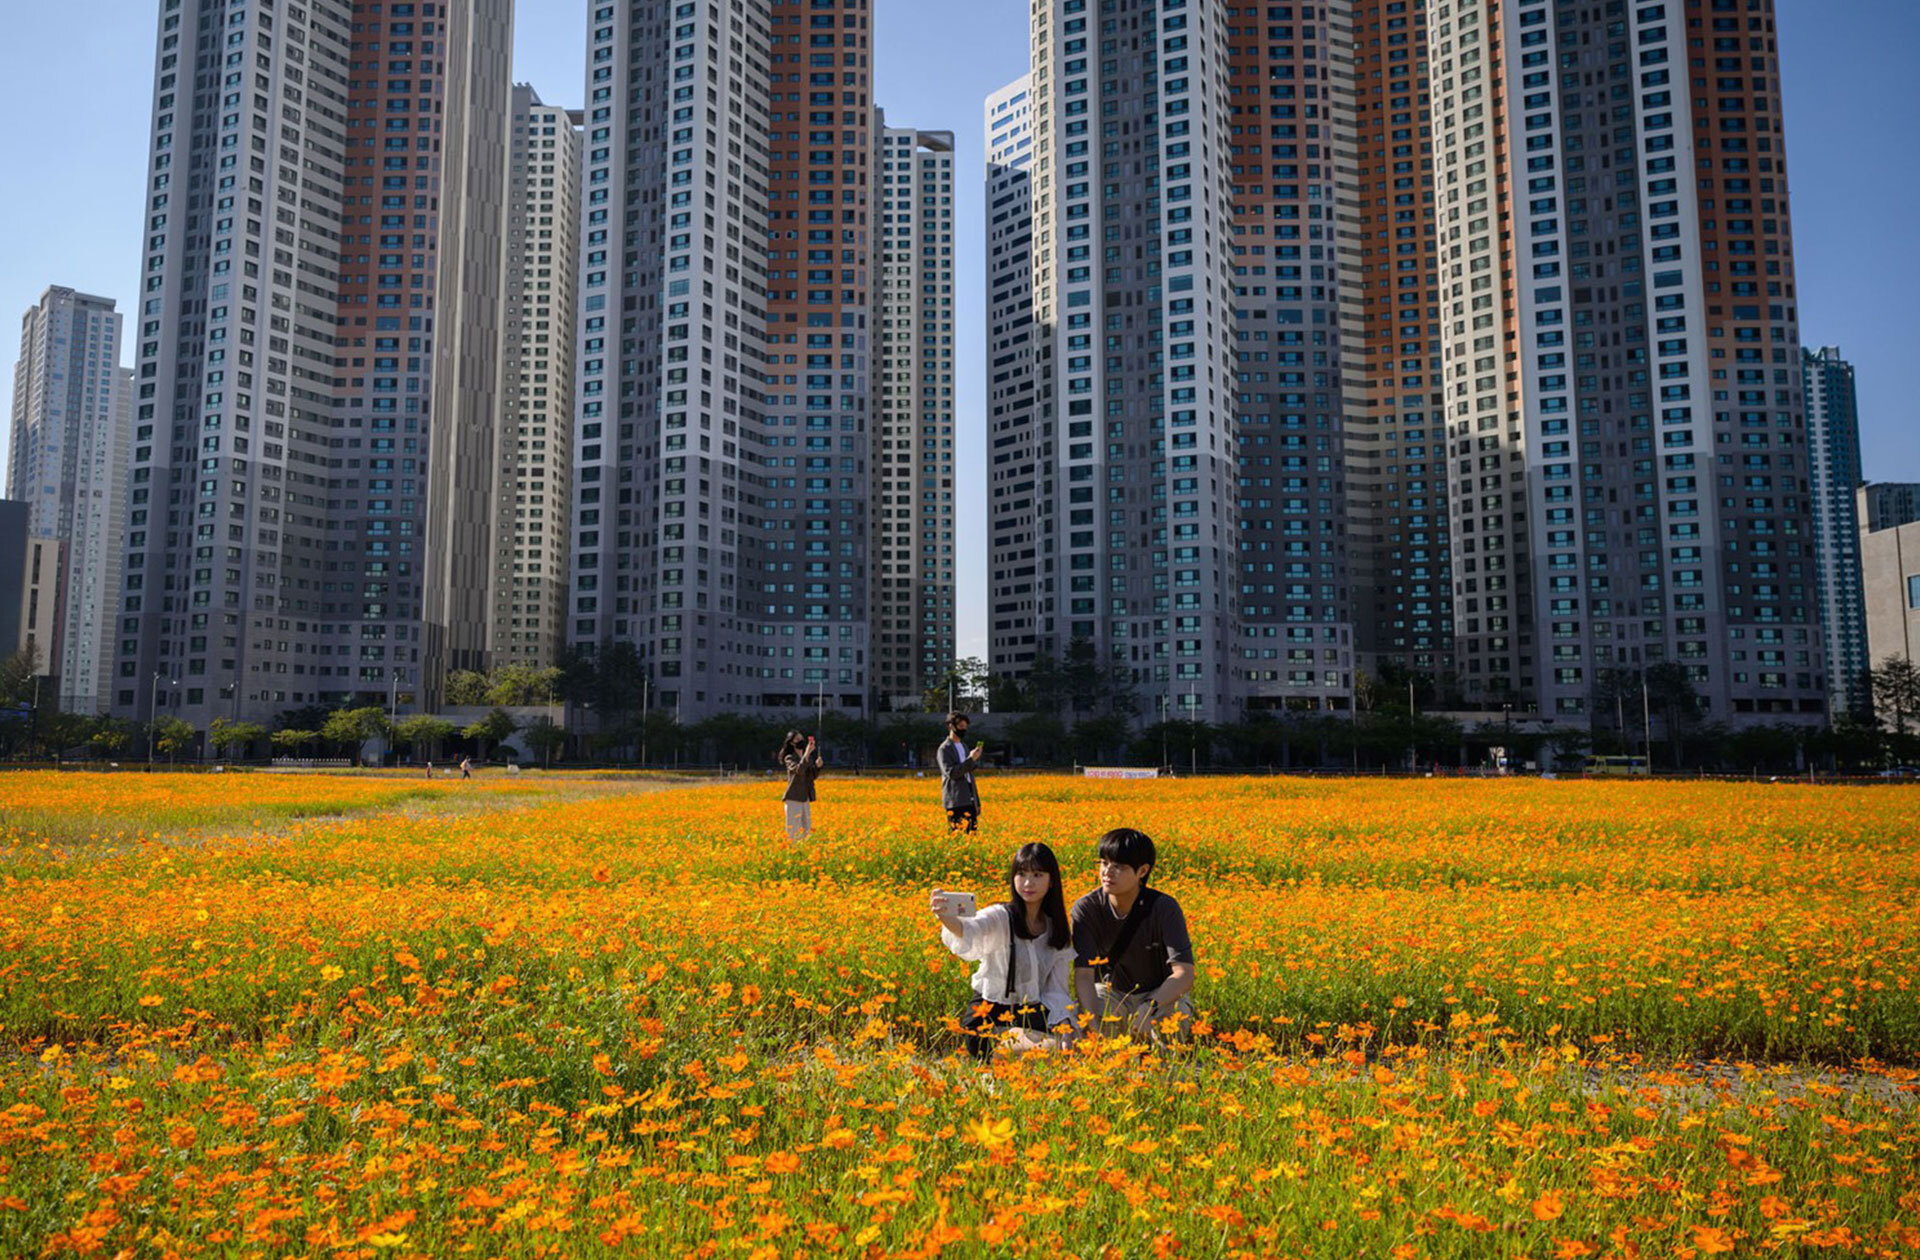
{"points": [[422, 733], [234, 738], [352, 728], [491, 729], [171, 736], [545, 738], [291, 742], [466, 688]]}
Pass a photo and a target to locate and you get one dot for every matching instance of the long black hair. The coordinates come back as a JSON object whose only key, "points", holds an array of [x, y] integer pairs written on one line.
{"points": [[794, 744], [1038, 859]]}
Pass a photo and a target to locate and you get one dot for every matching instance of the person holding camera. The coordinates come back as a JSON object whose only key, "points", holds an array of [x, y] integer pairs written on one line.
{"points": [[800, 755], [1024, 951], [958, 795]]}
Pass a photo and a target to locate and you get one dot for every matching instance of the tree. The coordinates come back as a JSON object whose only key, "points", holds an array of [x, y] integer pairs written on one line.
{"points": [[1038, 738], [544, 737], [233, 738], [17, 674], [907, 736], [522, 685], [111, 737], [466, 688], [289, 742], [422, 733], [352, 728], [1007, 695], [1896, 691], [962, 687], [1671, 694], [172, 736], [1095, 737], [491, 729]]}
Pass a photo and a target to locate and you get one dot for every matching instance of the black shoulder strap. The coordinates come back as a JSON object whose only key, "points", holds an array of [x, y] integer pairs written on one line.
{"points": [[1129, 926]]}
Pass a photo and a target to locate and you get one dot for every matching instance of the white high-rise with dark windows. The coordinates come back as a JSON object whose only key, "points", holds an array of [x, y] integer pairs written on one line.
{"points": [[1626, 430], [532, 513], [913, 465], [317, 348], [68, 465]]}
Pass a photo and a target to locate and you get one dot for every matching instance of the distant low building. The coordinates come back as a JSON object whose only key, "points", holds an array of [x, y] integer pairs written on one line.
{"points": [[1890, 566], [1889, 504]]}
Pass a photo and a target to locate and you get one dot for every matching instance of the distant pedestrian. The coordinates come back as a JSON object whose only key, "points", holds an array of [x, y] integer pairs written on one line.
{"points": [[958, 795], [466, 767], [429, 769], [800, 757]]}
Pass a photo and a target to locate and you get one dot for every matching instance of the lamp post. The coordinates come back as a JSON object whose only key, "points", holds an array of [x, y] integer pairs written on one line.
{"points": [[1413, 751], [1646, 720], [1506, 738], [153, 718], [646, 682], [1163, 731]]}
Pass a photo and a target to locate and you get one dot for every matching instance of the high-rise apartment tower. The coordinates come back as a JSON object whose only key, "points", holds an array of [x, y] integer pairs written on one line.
{"points": [[913, 609], [69, 449], [308, 165], [1626, 432], [532, 511]]}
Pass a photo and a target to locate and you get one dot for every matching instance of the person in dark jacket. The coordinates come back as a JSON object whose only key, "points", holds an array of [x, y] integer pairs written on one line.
{"points": [[958, 795], [800, 755]]}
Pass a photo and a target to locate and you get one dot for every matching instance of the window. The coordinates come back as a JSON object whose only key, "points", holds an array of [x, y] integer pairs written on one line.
{"points": [[1913, 592]]}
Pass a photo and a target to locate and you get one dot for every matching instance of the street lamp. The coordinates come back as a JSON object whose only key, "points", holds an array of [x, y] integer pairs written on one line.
{"points": [[1506, 738], [153, 717]]}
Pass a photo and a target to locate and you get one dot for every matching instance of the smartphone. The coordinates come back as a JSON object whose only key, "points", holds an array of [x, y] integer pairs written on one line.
{"points": [[961, 903]]}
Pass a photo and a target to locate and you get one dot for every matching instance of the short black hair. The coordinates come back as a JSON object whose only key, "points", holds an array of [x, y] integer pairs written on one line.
{"points": [[1123, 846], [955, 719]]}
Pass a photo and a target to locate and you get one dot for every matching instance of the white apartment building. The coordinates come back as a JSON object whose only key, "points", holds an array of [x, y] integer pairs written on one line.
{"points": [[69, 448], [913, 613], [532, 512]]}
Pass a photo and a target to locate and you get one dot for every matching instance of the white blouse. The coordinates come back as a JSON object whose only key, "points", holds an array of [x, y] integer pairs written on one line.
{"points": [[1042, 975]]}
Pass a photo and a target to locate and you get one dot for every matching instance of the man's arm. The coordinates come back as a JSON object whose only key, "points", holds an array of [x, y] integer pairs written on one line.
{"points": [[1086, 1000], [1176, 986]]}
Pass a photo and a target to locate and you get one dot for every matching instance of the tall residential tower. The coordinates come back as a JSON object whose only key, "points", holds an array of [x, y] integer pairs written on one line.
{"points": [[533, 490], [913, 526], [1626, 431], [69, 448], [308, 163], [1833, 442]]}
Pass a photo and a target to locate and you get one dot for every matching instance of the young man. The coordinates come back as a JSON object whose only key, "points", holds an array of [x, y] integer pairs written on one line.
{"points": [[1133, 961], [957, 793]]}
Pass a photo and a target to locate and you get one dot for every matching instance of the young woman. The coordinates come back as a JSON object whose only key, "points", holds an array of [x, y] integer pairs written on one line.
{"points": [[1024, 948], [803, 762]]}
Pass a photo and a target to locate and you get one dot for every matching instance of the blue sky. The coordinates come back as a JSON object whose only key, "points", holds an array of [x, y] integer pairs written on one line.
{"points": [[77, 80]]}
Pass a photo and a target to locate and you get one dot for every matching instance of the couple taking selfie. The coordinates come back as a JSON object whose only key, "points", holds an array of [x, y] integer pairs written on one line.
{"points": [[800, 757], [1119, 963]]}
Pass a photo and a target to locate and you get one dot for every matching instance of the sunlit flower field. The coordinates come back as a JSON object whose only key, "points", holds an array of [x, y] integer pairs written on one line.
{"points": [[256, 1015]]}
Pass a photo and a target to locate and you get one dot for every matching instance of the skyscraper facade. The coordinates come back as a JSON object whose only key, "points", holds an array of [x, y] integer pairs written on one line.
{"points": [[913, 465], [1390, 365], [69, 448], [278, 548], [1133, 309], [1626, 428], [723, 455], [1294, 640], [532, 508], [1019, 481], [1833, 451]]}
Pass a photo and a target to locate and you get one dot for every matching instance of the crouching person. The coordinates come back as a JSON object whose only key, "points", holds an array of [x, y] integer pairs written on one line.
{"points": [[1133, 962], [1024, 951]]}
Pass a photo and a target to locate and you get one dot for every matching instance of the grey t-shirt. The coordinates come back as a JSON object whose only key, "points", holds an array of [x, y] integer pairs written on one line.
{"points": [[1159, 942]]}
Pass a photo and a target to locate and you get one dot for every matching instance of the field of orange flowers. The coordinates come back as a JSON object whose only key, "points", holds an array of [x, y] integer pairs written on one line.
{"points": [[1442, 1018]]}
